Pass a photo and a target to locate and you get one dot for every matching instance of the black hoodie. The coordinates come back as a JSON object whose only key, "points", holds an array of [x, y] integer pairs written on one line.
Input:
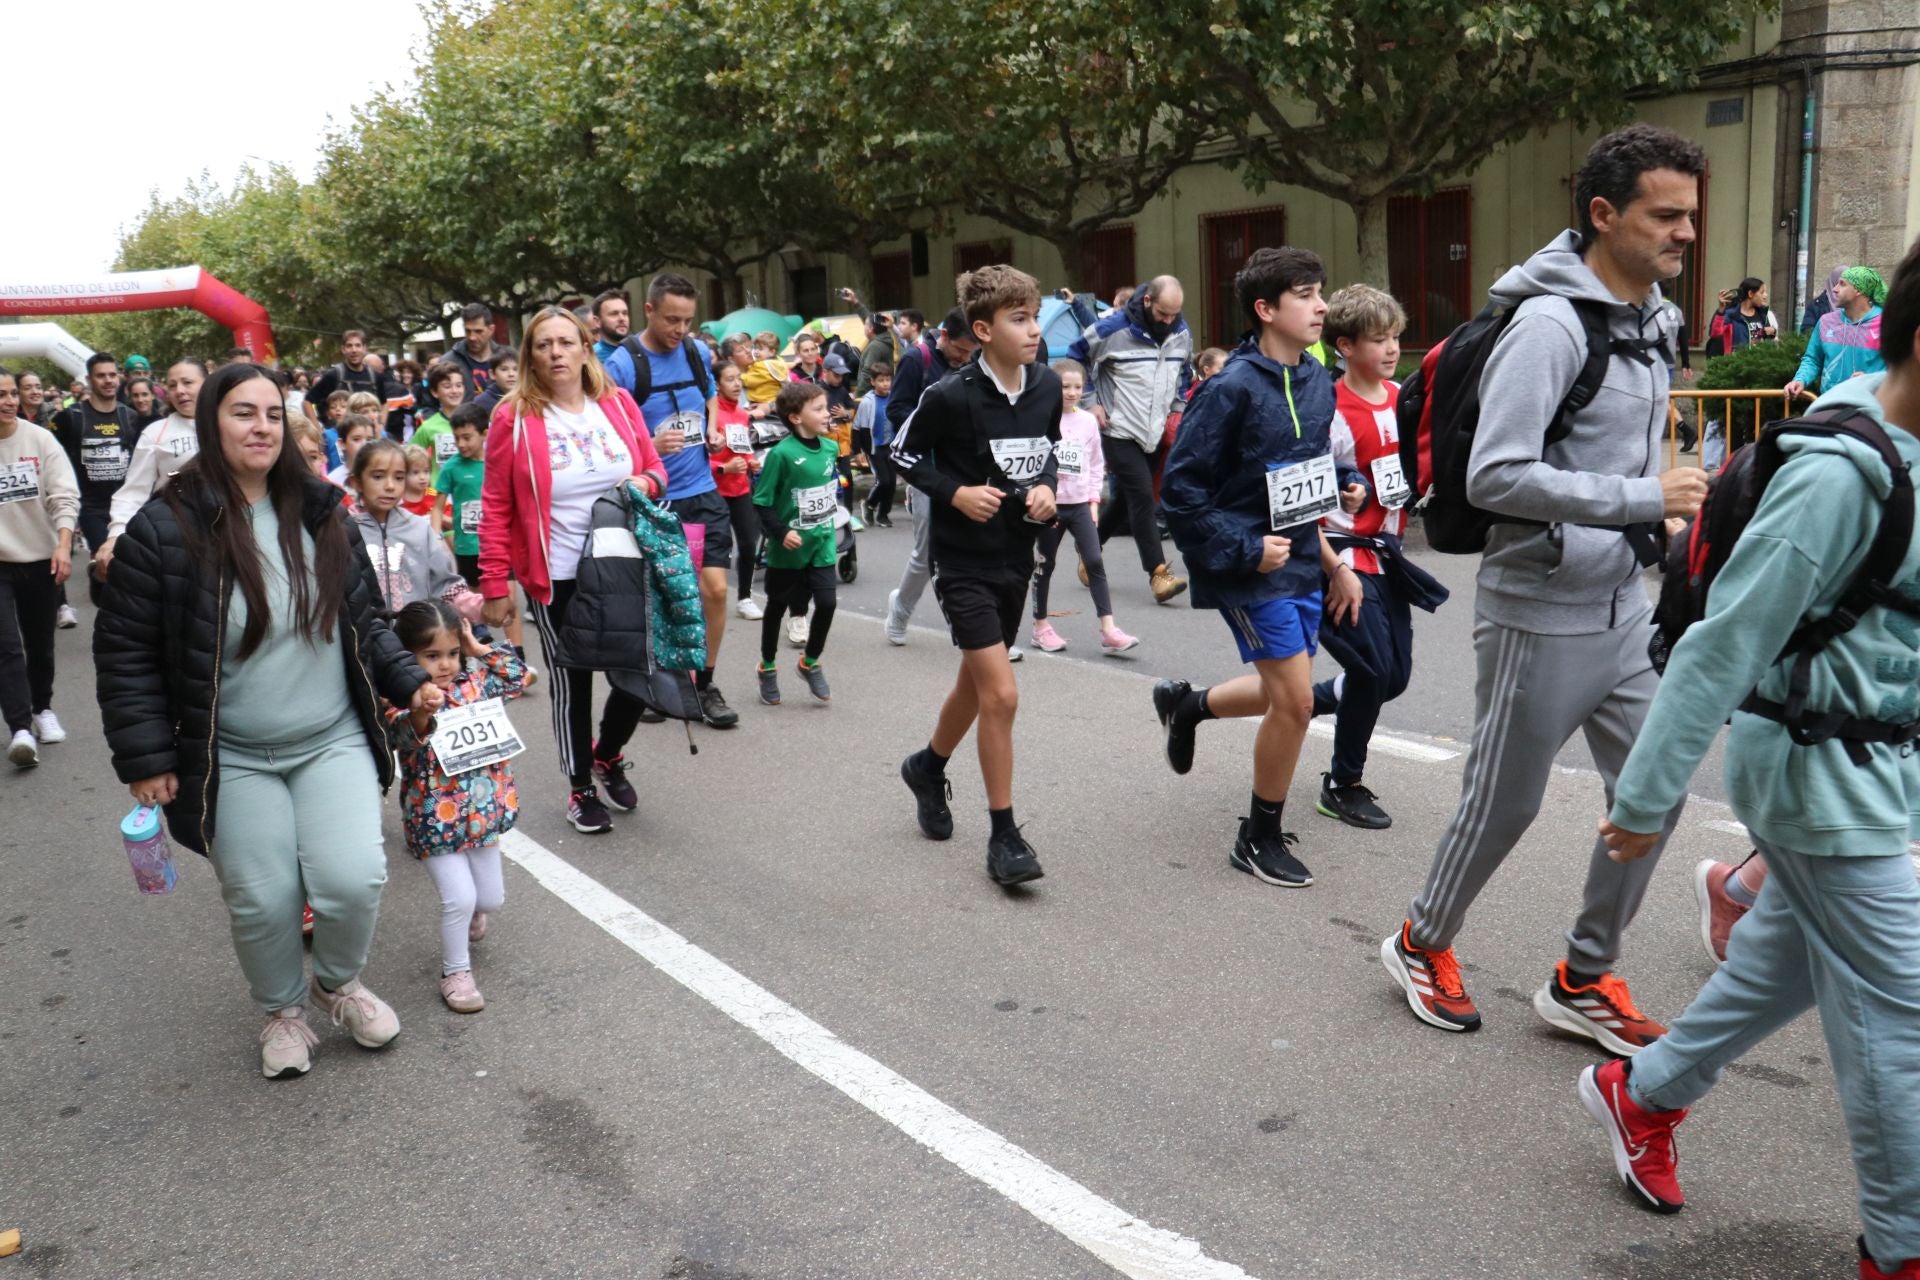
{"points": [[963, 432]]}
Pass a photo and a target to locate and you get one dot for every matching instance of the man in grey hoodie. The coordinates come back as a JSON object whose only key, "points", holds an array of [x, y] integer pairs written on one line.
{"points": [[1561, 618]]}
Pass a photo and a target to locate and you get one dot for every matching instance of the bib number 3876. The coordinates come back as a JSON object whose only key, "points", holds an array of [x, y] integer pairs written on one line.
{"points": [[1302, 492], [474, 736]]}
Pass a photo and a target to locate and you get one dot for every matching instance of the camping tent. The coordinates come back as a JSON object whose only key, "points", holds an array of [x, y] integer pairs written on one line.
{"points": [[752, 320], [1059, 328]]}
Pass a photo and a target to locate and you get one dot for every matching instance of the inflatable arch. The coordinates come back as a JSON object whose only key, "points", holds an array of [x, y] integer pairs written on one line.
{"points": [[48, 341], [148, 291]]}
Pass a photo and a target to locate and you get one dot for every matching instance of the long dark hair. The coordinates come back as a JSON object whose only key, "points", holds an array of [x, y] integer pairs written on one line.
{"points": [[422, 620], [227, 543], [1748, 287]]}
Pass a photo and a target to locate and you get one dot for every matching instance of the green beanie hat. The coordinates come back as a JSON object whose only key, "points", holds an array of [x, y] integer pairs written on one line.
{"points": [[1868, 282]]}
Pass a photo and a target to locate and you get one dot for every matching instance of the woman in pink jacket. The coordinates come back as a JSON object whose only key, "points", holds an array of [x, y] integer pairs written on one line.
{"points": [[563, 437]]}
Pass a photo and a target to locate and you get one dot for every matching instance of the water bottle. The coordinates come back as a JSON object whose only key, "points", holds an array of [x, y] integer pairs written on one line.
{"points": [[148, 850]]}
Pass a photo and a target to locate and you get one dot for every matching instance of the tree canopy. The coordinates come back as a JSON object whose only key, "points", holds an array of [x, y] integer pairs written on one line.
{"points": [[552, 148]]}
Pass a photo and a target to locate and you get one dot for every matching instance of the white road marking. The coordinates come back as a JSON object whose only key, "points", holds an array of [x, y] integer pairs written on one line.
{"points": [[1122, 1241]]}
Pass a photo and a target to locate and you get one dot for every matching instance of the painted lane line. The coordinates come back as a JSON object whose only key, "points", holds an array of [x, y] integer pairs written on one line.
{"points": [[1125, 1243], [1739, 829]]}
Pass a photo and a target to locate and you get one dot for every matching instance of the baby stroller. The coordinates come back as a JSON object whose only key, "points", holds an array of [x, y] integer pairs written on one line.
{"points": [[844, 545]]}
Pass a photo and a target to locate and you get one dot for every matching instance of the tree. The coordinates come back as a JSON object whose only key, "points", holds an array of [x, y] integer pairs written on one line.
{"points": [[1363, 100]]}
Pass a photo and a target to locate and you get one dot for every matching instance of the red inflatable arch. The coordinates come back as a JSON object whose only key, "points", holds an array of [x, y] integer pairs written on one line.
{"points": [[148, 291]]}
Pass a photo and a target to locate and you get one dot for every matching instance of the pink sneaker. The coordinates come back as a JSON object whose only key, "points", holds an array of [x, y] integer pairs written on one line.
{"points": [[1046, 639], [1718, 912], [477, 929], [461, 995], [1116, 641]]}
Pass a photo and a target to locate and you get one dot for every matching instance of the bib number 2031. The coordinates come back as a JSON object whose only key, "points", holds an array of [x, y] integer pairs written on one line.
{"points": [[474, 736], [1302, 492]]}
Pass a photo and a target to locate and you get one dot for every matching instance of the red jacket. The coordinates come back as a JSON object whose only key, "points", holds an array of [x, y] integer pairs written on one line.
{"points": [[515, 532]]}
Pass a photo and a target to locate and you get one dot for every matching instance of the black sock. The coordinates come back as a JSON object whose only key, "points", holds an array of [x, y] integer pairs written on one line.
{"points": [[1264, 818], [927, 760], [704, 679], [1002, 819], [1577, 979], [1193, 707]]}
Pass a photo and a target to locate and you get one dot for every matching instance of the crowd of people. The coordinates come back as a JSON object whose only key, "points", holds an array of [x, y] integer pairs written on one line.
{"points": [[302, 582]]}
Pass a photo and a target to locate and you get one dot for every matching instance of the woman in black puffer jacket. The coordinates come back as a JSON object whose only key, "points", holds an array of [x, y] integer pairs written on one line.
{"points": [[238, 654]]}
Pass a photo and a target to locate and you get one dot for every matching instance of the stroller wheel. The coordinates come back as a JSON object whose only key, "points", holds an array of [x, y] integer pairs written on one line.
{"points": [[849, 567]]}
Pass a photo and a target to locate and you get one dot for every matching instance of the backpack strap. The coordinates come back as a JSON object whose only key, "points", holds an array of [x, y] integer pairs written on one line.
{"points": [[1602, 347]]}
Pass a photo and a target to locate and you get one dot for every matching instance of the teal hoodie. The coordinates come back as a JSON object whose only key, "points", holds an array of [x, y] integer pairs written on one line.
{"points": [[1840, 348], [1794, 561]]}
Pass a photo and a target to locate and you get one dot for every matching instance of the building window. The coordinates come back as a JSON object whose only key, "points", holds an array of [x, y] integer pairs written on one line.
{"points": [[1230, 238], [1430, 262], [1109, 263], [976, 254], [809, 285], [892, 280], [716, 298]]}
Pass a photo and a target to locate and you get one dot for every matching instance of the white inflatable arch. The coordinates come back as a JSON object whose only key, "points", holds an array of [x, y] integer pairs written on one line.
{"points": [[46, 340]]}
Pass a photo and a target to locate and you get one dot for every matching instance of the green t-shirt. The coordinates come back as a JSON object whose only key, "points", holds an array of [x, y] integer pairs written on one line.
{"points": [[460, 480], [800, 488], [436, 437]]}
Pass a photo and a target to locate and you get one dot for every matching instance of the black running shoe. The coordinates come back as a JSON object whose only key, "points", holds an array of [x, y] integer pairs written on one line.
{"points": [[1352, 804], [714, 709], [931, 793], [1011, 860], [587, 814], [612, 774], [1270, 860], [1167, 695]]}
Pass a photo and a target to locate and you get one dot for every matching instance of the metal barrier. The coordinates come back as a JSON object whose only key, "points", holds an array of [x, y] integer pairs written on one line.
{"points": [[1773, 403]]}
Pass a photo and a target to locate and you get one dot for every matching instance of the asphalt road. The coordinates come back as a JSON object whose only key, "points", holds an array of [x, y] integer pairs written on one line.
{"points": [[1223, 1060]]}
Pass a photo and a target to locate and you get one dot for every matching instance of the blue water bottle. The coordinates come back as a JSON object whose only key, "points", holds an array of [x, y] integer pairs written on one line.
{"points": [[148, 850]]}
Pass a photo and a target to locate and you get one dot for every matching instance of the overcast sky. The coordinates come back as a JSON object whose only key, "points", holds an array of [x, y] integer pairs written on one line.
{"points": [[114, 100]]}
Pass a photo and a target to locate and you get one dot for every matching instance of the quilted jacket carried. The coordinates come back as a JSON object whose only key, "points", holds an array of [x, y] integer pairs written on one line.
{"points": [[157, 653]]}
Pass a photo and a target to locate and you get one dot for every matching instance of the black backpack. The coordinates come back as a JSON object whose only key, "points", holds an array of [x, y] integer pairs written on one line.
{"points": [[1439, 413], [643, 369], [1702, 550]]}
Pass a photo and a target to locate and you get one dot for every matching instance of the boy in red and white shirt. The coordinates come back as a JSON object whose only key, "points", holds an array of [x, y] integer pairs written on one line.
{"points": [[1375, 645]]}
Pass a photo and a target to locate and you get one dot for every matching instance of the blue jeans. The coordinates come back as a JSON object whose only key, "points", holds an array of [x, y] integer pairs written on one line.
{"points": [[1842, 934]]}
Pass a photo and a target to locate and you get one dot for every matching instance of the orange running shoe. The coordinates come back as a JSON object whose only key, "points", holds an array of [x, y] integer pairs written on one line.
{"points": [[1431, 980], [1603, 1011]]}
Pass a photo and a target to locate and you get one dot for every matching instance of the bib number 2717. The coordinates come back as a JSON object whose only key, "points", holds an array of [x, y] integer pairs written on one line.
{"points": [[1301, 493]]}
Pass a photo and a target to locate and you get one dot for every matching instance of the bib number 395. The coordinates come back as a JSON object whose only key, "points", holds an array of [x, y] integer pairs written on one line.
{"points": [[474, 736], [1302, 492]]}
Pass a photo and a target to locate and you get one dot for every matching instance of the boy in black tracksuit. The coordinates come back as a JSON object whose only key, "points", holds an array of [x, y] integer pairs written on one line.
{"points": [[980, 445]]}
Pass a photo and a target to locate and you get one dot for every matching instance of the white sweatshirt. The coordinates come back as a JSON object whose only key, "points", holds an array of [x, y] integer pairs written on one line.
{"points": [[161, 450], [38, 494]]}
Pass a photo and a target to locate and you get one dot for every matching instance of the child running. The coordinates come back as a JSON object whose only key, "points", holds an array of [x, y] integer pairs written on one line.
{"points": [[1375, 646], [980, 445], [1250, 475], [796, 497], [1082, 469], [454, 823], [409, 561]]}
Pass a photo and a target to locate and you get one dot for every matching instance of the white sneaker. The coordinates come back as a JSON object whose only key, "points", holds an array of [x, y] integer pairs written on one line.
{"points": [[1015, 653], [23, 751], [286, 1044], [750, 609], [46, 726], [65, 618], [369, 1019], [797, 632], [896, 625]]}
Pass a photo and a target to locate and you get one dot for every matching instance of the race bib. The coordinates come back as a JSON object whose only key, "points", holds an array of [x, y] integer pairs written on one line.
{"points": [[103, 461], [690, 425], [1072, 458], [1021, 461], [1390, 485], [739, 437], [474, 736], [444, 447], [20, 482], [1302, 492], [470, 516], [816, 506]]}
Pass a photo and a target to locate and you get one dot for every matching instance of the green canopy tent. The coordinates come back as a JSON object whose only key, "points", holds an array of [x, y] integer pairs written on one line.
{"points": [[752, 320]]}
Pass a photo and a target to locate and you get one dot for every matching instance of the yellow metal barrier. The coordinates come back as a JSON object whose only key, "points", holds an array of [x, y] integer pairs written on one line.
{"points": [[1767, 406]]}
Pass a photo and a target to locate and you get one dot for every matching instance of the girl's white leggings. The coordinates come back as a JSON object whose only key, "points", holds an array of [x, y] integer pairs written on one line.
{"points": [[468, 882]]}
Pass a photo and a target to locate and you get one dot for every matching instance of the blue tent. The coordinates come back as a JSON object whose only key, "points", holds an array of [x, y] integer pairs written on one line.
{"points": [[1058, 328]]}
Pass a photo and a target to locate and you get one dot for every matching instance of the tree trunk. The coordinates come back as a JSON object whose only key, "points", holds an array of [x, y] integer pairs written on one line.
{"points": [[859, 251], [1371, 216], [733, 290], [1073, 261]]}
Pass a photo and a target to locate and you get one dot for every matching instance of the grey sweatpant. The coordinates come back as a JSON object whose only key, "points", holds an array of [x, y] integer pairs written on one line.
{"points": [[1531, 693], [919, 567]]}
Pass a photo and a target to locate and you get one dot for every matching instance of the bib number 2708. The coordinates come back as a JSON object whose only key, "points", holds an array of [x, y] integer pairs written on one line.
{"points": [[1302, 492]]}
